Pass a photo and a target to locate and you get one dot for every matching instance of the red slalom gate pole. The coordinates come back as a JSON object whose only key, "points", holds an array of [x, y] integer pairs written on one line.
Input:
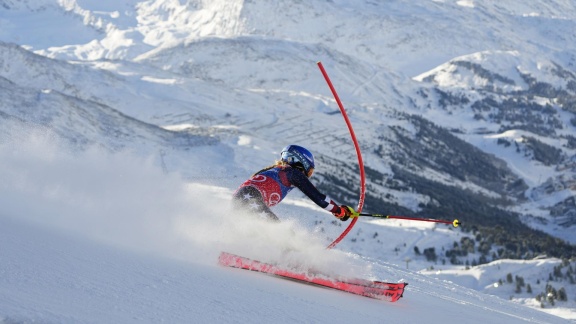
{"points": [[358, 153]]}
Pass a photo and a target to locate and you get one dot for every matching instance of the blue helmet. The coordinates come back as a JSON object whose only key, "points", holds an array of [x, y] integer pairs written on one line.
{"points": [[298, 157]]}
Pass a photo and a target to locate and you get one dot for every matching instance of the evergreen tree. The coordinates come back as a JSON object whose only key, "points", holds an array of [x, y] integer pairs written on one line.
{"points": [[558, 271], [482, 260], [562, 294], [509, 278], [430, 254], [520, 281]]}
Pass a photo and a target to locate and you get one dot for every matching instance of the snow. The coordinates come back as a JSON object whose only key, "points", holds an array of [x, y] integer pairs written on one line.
{"points": [[92, 248], [53, 277], [122, 222]]}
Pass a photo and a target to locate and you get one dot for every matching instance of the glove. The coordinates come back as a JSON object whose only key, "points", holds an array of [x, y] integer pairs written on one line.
{"points": [[344, 212]]}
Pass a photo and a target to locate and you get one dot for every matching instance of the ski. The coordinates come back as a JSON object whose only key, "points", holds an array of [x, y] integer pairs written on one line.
{"points": [[373, 289]]}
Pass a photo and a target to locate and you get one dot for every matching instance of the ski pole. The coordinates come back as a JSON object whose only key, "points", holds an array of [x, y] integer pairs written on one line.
{"points": [[454, 223]]}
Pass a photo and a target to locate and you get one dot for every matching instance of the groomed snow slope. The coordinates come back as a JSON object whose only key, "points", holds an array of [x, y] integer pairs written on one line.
{"points": [[53, 277], [96, 237]]}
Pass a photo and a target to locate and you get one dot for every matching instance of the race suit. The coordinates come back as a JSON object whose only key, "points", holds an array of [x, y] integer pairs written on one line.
{"points": [[267, 188]]}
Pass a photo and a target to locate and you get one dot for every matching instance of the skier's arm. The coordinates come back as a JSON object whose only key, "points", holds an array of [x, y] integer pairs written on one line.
{"points": [[301, 181]]}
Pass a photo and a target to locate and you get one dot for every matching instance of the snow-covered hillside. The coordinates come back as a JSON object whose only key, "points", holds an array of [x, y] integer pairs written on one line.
{"points": [[109, 238], [208, 64], [116, 117], [59, 278]]}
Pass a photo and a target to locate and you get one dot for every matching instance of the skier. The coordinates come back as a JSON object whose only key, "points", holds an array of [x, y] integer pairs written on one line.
{"points": [[267, 187]]}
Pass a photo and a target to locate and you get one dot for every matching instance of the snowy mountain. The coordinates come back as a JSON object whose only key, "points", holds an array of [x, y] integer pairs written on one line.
{"points": [[464, 109]]}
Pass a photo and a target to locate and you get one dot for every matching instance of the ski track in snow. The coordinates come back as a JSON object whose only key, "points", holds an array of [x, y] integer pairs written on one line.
{"points": [[51, 276]]}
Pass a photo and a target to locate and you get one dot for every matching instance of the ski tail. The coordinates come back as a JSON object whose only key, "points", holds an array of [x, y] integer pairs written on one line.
{"points": [[373, 289]]}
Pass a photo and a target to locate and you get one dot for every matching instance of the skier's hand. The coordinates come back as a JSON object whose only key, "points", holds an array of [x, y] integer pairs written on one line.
{"points": [[344, 212]]}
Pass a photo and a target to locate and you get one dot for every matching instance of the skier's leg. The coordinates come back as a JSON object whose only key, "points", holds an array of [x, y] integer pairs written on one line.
{"points": [[250, 199]]}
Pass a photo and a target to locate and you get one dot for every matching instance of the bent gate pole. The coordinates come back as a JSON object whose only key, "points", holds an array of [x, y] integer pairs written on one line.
{"points": [[360, 162]]}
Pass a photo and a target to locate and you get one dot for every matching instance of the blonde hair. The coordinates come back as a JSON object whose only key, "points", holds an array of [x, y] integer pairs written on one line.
{"points": [[277, 163]]}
